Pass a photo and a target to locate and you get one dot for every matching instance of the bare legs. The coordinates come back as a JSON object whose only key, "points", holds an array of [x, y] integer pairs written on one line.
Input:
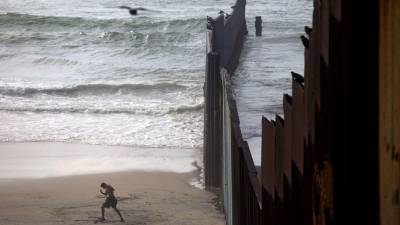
{"points": [[119, 213], [102, 213], [116, 210]]}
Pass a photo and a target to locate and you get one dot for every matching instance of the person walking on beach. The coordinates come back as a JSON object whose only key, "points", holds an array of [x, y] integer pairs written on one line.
{"points": [[111, 201]]}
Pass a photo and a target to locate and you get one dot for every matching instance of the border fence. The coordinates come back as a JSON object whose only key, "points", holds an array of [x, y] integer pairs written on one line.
{"points": [[325, 162]]}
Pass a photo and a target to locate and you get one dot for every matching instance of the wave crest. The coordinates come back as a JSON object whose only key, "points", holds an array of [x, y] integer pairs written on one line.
{"points": [[70, 110], [27, 20], [90, 89]]}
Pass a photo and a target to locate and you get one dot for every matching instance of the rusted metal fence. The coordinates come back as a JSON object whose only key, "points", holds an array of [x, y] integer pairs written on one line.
{"points": [[389, 88], [228, 165], [315, 160], [246, 188], [224, 34]]}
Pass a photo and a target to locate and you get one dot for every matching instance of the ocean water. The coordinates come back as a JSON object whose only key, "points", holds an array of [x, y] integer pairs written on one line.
{"points": [[88, 72], [263, 75]]}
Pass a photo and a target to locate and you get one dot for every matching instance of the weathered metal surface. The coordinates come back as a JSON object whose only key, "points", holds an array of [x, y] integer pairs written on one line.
{"points": [[288, 143], [268, 170], [324, 44], [268, 157], [253, 178], [323, 193], [315, 162], [223, 35], [234, 30], [219, 35], [237, 201], [268, 208], [389, 119], [209, 42], [246, 187], [227, 151], [213, 124], [246, 191], [243, 189], [258, 25], [299, 130], [279, 143], [287, 159], [335, 7], [297, 196]]}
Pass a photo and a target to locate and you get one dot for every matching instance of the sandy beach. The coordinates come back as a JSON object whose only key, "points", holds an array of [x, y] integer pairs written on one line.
{"points": [[144, 198]]}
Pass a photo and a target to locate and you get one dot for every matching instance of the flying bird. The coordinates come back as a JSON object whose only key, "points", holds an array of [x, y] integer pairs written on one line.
{"points": [[132, 11]]}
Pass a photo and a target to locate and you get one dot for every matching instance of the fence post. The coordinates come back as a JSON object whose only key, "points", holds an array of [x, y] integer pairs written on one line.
{"points": [[219, 37], [213, 124], [258, 26]]}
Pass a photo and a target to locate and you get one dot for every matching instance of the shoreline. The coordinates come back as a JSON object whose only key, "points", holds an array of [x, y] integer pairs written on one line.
{"points": [[151, 196], [143, 198], [22, 160]]}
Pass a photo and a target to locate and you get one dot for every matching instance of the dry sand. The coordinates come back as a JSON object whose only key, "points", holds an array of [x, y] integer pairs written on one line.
{"points": [[144, 198]]}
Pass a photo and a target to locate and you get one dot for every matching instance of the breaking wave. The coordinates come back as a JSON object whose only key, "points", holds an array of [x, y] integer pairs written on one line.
{"points": [[157, 112], [62, 23], [91, 89]]}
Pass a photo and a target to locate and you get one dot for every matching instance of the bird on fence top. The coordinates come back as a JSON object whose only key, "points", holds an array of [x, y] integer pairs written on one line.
{"points": [[210, 23], [227, 15], [210, 19], [305, 41], [132, 11], [308, 30], [297, 77]]}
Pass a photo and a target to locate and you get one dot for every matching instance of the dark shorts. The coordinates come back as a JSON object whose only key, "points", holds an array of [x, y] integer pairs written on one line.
{"points": [[110, 202]]}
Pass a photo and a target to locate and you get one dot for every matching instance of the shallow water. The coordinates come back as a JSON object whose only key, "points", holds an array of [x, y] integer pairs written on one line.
{"points": [[41, 160], [263, 75]]}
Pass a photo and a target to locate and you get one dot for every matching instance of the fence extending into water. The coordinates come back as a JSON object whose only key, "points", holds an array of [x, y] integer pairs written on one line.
{"points": [[229, 167], [320, 163]]}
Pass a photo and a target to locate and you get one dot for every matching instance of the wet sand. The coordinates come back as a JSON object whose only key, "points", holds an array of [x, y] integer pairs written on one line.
{"points": [[143, 198]]}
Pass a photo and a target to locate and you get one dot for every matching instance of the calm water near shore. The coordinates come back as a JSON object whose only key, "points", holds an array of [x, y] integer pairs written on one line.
{"points": [[263, 75]]}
